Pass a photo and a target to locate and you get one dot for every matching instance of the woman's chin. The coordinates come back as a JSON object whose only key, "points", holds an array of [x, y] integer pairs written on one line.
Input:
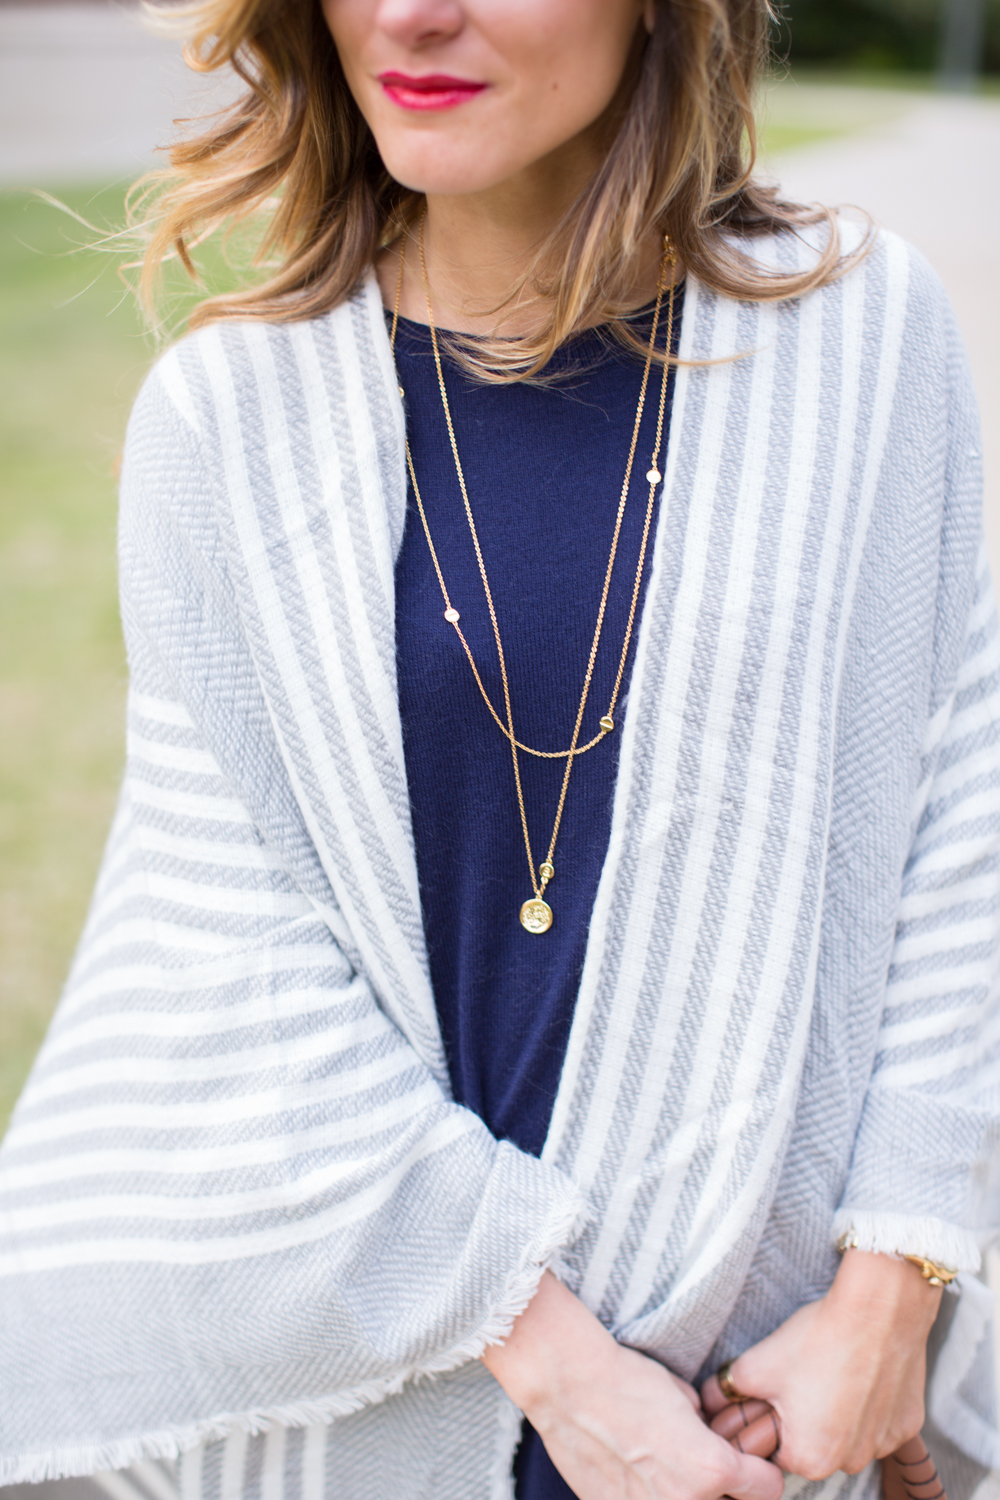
{"points": [[441, 174]]}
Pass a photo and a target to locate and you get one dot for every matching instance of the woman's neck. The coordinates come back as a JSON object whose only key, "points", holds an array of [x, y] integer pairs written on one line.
{"points": [[478, 246]]}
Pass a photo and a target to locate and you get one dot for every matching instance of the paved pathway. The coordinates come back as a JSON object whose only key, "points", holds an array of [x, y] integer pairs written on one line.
{"points": [[87, 92]]}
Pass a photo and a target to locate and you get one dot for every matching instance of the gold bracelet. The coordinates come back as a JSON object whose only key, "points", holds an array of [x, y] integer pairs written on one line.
{"points": [[932, 1273]]}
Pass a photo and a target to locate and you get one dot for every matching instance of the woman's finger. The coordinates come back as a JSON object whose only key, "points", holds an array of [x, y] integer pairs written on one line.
{"points": [[755, 1479], [737, 1417], [712, 1398], [910, 1474], [689, 1391], [762, 1437]]}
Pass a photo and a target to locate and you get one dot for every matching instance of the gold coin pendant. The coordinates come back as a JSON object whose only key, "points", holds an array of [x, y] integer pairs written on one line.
{"points": [[536, 915]]}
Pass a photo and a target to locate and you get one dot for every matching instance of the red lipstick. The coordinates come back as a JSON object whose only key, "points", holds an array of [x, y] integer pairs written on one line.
{"points": [[429, 90]]}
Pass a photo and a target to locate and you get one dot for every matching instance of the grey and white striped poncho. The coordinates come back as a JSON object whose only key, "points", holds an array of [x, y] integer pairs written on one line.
{"points": [[240, 1217]]}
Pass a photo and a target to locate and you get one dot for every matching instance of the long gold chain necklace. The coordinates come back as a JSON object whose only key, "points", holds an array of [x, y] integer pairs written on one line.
{"points": [[536, 913]]}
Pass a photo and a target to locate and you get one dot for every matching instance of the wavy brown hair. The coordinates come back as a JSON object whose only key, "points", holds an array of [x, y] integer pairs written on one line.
{"points": [[296, 150]]}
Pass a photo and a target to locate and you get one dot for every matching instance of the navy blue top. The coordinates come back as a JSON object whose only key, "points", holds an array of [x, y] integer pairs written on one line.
{"points": [[544, 467]]}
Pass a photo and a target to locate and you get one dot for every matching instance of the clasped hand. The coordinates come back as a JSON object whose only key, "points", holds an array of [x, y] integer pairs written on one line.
{"points": [[844, 1374]]}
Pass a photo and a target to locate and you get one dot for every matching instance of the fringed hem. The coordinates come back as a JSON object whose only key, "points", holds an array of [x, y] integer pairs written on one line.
{"points": [[565, 1223], [899, 1234], [562, 1227], [73, 1463]]}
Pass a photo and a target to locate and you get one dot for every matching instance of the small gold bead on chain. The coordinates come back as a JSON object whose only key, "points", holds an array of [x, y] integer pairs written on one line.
{"points": [[536, 914]]}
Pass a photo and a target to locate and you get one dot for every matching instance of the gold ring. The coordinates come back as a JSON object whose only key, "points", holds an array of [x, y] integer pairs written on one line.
{"points": [[726, 1385]]}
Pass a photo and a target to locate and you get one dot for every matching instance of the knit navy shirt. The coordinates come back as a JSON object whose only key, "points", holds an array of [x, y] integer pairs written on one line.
{"points": [[544, 467]]}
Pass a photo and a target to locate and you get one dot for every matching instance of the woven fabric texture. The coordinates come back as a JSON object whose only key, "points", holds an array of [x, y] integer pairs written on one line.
{"points": [[236, 1198]]}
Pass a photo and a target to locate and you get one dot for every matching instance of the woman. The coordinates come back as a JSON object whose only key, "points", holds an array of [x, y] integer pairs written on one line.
{"points": [[331, 1169]]}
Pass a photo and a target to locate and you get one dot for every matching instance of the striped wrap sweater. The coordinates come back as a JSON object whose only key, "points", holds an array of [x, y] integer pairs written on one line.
{"points": [[249, 1246]]}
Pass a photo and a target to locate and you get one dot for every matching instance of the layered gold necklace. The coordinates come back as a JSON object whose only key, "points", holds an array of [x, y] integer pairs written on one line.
{"points": [[536, 913]]}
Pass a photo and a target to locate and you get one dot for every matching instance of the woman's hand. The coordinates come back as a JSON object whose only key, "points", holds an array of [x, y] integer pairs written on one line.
{"points": [[845, 1374], [617, 1426]]}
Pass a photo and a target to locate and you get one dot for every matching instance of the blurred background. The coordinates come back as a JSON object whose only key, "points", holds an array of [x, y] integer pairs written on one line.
{"points": [[893, 105]]}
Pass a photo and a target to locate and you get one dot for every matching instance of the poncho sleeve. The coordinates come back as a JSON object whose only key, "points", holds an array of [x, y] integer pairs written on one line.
{"points": [[232, 1191], [923, 1177]]}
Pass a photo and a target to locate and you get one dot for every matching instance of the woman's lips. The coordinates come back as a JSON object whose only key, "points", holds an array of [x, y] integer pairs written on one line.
{"points": [[431, 91]]}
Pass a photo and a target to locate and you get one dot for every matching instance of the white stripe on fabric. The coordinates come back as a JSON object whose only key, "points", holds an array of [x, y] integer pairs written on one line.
{"points": [[291, 956], [194, 762], [273, 1008], [159, 710], [264, 1151], [770, 983], [693, 883], [197, 1208], [938, 901], [284, 647], [272, 1479], [260, 1106], [190, 1465], [737, 922], [327, 457], [358, 414], [234, 1457], [243, 1062], [314, 1462], [207, 1020], [129, 933], [174, 890], [945, 1024], [727, 1224], [172, 379], [597, 935], [315, 596], [201, 851], [196, 807], [120, 1250], [604, 1102]]}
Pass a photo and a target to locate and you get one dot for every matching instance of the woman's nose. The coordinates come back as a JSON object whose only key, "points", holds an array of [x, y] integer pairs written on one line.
{"points": [[417, 23]]}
